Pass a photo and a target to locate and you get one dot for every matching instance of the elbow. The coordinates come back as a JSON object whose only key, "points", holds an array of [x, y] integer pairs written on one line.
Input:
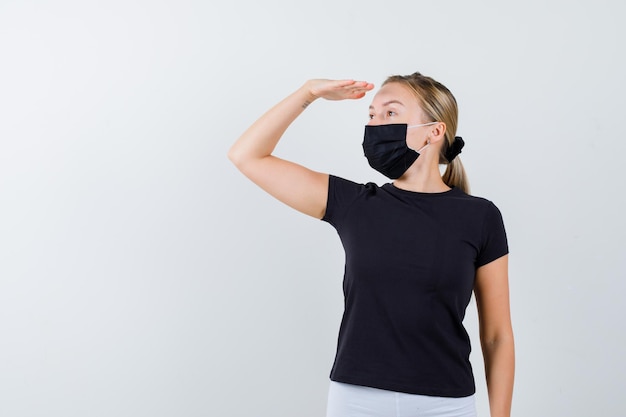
{"points": [[234, 156], [494, 341], [242, 161]]}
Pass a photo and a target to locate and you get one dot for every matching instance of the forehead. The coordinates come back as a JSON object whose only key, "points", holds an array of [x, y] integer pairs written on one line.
{"points": [[394, 92]]}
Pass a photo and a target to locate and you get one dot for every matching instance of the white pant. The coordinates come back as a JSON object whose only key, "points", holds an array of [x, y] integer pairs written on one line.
{"points": [[346, 400]]}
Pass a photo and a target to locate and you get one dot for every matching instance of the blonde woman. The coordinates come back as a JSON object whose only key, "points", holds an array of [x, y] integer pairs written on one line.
{"points": [[415, 248]]}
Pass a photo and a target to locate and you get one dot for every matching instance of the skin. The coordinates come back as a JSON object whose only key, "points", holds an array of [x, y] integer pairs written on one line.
{"points": [[306, 191], [394, 103]]}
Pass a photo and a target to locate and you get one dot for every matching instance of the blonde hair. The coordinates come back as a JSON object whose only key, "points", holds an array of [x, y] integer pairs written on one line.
{"points": [[440, 106]]}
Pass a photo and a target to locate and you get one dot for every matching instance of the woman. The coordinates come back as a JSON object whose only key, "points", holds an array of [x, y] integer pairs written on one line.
{"points": [[416, 248]]}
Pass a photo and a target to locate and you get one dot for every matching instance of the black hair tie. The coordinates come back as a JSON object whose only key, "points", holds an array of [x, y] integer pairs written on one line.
{"points": [[455, 148]]}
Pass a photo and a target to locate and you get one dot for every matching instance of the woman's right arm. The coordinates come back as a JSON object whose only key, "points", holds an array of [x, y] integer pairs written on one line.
{"points": [[298, 187]]}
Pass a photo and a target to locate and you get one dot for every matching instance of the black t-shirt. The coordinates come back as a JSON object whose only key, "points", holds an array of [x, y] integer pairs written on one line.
{"points": [[411, 260]]}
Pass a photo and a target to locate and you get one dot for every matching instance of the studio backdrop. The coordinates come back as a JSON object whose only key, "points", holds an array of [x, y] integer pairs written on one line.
{"points": [[142, 275]]}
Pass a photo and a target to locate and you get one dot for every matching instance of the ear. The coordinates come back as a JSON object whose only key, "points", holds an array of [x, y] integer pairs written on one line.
{"points": [[437, 132]]}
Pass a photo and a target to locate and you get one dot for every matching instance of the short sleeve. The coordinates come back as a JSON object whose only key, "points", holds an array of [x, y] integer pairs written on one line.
{"points": [[494, 241], [341, 194]]}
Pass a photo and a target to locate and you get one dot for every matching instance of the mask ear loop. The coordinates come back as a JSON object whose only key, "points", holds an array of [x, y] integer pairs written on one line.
{"points": [[423, 147], [428, 141], [422, 124]]}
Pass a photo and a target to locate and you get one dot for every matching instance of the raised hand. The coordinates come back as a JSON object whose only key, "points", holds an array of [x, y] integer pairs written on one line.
{"points": [[299, 187], [339, 89]]}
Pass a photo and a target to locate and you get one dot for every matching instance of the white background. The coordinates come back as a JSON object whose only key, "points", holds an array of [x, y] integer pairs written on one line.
{"points": [[142, 275]]}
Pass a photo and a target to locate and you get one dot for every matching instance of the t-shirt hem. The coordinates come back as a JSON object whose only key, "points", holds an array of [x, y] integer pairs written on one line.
{"points": [[404, 388], [492, 258]]}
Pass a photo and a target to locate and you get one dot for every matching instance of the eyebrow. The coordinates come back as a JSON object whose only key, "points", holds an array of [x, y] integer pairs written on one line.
{"points": [[390, 102]]}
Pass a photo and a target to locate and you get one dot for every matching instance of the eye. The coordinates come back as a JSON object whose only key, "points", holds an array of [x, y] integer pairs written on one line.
{"points": [[391, 113], [371, 116]]}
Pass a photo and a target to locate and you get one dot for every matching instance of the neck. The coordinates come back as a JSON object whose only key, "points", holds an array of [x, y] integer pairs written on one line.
{"points": [[422, 178]]}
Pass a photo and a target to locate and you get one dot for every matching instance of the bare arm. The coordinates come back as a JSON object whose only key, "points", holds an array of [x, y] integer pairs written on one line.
{"points": [[299, 187], [496, 334]]}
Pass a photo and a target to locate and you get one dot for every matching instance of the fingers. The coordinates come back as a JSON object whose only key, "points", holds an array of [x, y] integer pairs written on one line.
{"points": [[364, 86], [340, 89], [355, 84], [353, 89], [345, 83], [358, 89]]}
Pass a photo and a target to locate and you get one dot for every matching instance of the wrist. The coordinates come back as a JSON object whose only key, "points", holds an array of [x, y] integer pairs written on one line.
{"points": [[306, 94]]}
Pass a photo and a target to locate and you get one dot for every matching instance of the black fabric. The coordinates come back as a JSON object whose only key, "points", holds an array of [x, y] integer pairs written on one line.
{"points": [[410, 266], [386, 150], [455, 149]]}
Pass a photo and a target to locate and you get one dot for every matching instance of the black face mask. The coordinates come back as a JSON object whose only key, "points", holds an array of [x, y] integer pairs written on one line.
{"points": [[386, 149]]}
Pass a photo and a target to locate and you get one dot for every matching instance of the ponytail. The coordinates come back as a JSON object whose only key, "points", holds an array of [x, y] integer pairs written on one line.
{"points": [[455, 176]]}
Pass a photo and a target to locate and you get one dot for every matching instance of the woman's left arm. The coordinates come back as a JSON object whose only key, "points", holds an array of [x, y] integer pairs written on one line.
{"points": [[496, 333]]}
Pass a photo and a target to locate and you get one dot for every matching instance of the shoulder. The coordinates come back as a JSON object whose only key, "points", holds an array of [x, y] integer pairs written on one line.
{"points": [[483, 218], [343, 193], [479, 211], [342, 189], [343, 183], [478, 202]]}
